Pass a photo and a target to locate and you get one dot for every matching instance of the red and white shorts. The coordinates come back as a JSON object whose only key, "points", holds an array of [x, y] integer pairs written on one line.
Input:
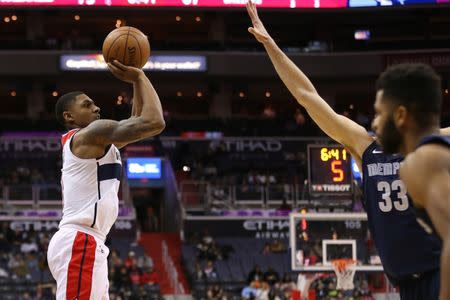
{"points": [[77, 260]]}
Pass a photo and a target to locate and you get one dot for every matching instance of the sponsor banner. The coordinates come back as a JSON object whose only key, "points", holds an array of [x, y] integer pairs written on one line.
{"points": [[125, 213], [251, 228], [266, 213], [160, 63], [181, 3], [438, 60], [331, 188], [241, 151], [125, 228]]}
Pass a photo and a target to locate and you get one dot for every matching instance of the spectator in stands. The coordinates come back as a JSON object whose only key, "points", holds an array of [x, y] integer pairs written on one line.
{"points": [[255, 274], [271, 276], [17, 238], [5, 246], [210, 271], [130, 260], [149, 277], [7, 232], [122, 109], [285, 206], [269, 112], [18, 267], [121, 279], [288, 283], [29, 245], [3, 273], [266, 249], [135, 277], [277, 246], [264, 291], [316, 250], [13, 178], [36, 177], [276, 293], [115, 260], [334, 235], [25, 296], [198, 273], [214, 292], [31, 260], [251, 292], [144, 262], [44, 240], [299, 117]]}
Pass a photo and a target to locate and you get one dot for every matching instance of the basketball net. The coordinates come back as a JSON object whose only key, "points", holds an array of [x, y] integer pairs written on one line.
{"points": [[345, 272]]}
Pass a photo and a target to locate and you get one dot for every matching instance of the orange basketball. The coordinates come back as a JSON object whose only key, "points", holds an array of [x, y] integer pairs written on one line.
{"points": [[127, 45]]}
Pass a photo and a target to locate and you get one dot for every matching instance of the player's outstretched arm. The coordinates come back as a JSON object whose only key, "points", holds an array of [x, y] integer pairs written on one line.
{"points": [[338, 127], [149, 123], [136, 108]]}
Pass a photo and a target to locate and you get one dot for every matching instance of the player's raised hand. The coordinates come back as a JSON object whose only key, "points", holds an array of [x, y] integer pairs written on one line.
{"points": [[258, 29], [125, 73]]}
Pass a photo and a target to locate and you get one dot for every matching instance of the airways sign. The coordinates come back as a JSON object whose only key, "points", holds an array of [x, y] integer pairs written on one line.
{"points": [[254, 228]]}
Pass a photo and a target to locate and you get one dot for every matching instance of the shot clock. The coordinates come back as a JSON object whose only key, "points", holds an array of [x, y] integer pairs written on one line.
{"points": [[329, 170]]}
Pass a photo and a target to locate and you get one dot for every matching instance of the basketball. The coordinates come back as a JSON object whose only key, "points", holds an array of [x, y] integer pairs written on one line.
{"points": [[127, 45]]}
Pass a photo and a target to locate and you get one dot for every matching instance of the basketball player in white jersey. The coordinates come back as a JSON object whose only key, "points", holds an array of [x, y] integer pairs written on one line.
{"points": [[77, 255]]}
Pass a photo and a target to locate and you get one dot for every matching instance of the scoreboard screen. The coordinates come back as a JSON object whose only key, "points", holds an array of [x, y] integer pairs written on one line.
{"points": [[329, 170]]}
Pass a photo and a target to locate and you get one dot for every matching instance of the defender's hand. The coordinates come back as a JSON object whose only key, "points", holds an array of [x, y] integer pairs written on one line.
{"points": [[258, 29], [125, 73]]}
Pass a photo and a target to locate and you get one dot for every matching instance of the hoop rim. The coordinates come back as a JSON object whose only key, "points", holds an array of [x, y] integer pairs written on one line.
{"points": [[340, 265]]}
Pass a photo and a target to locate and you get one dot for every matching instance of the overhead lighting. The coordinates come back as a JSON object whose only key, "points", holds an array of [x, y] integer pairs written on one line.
{"points": [[198, 19], [178, 18], [199, 94], [6, 19], [14, 17], [268, 94], [76, 17]]}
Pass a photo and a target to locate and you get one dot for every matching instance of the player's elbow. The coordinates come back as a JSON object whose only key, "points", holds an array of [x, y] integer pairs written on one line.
{"points": [[159, 126], [153, 127]]}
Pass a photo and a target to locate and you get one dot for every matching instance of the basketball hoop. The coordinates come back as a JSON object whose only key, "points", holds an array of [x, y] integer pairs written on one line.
{"points": [[345, 272]]}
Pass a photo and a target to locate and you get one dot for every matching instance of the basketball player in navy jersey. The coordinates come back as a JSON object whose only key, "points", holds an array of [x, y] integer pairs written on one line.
{"points": [[77, 255], [410, 256], [408, 108]]}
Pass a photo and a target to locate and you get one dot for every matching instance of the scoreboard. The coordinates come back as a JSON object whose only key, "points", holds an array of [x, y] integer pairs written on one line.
{"points": [[329, 170]]}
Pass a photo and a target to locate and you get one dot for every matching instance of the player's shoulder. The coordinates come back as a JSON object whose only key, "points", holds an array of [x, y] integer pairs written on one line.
{"points": [[429, 157], [433, 151]]}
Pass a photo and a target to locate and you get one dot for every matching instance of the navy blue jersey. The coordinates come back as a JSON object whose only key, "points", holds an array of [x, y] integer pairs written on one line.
{"points": [[435, 139], [405, 248]]}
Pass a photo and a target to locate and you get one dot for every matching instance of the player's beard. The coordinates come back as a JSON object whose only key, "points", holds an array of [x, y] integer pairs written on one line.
{"points": [[390, 138]]}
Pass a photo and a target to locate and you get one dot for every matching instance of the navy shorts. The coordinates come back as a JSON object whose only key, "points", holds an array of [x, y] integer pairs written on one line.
{"points": [[424, 287]]}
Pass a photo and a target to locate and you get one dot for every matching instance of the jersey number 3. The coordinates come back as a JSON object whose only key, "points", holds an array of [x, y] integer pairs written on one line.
{"points": [[400, 204]]}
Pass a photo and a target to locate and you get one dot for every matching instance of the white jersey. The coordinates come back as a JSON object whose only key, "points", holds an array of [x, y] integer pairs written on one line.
{"points": [[89, 188]]}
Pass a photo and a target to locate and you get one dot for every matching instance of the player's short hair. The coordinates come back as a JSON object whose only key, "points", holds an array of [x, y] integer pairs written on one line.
{"points": [[63, 104], [417, 87]]}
